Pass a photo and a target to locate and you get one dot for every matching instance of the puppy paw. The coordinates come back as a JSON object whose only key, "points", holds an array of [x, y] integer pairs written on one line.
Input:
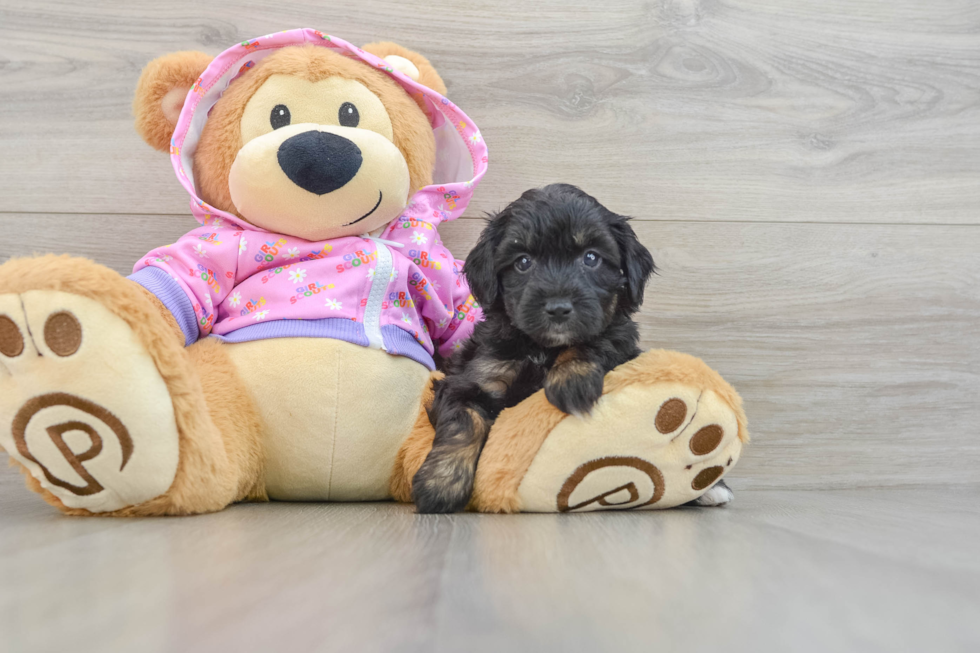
{"points": [[717, 496], [443, 483], [574, 387]]}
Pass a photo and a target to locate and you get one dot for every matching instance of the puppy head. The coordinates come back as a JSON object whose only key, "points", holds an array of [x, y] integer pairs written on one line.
{"points": [[560, 265]]}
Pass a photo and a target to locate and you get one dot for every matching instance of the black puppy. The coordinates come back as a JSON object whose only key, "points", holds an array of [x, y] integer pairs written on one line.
{"points": [[558, 276]]}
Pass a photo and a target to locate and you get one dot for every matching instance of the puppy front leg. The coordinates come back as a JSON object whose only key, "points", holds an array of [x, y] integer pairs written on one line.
{"points": [[463, 414], [574, 383]]}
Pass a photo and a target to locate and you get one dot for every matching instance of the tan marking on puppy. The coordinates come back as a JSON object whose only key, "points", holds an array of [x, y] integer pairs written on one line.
{"points": [[517, 435], [444, 483], [610, 310], [455, 457], [467, 434], [480, 427], [567, 355], [494, 376], [415, 448], [569, 370], [450, 471]]}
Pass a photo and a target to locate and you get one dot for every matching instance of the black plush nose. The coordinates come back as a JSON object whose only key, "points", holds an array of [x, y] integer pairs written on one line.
{"points": [[558, 309], [319, 162]]}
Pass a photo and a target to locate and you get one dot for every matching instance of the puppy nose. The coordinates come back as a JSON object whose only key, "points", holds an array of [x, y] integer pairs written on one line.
{"points": [[319, 162], [558, 309]]}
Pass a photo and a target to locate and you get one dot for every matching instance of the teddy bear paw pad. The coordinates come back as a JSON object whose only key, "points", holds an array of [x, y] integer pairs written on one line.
{"points": [[82, 405], [643, 447]]}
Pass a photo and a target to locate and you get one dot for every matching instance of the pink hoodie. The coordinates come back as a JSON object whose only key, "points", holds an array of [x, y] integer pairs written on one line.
{"points": [[402, 291]]}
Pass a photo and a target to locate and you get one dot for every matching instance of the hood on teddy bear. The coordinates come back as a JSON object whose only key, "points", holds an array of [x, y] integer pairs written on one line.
{"points": [[461, 154]]}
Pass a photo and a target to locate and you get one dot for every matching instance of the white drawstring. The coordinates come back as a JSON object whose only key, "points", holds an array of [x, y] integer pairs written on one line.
{"points": [[389, 243]]}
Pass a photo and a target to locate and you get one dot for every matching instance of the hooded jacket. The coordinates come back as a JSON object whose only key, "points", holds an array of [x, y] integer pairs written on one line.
{"points": [[402, 291]]}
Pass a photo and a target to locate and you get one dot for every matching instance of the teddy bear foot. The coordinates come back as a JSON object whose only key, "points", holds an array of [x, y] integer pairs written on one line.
{"points": [[665, 431], [82, 406]]}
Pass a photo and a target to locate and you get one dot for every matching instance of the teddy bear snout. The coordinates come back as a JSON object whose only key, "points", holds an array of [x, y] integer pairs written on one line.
{"points": [[319, 161]]}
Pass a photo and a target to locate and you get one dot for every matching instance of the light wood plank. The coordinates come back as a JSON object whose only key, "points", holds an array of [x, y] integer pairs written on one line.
{"points": [[812, 111], [715, 123], [116, 241], [861, 570], [854, 346]]}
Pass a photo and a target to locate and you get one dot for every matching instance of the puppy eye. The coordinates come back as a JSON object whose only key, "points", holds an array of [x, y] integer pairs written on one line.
{"points": [[348, 115], [280, 116], [523, 264], [591, 259]]}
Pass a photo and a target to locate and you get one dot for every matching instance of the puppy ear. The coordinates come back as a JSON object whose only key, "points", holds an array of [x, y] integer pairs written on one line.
{"points": [[481, 267], [637, 265], [160, 94], [411, 63]]}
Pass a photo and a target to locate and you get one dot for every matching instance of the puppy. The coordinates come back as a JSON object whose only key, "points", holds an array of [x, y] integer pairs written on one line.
{"points": [[558, 276]]}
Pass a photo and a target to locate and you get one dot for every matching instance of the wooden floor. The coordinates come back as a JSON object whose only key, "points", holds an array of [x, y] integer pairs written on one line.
{"points": [[807, 176], [838, 570]]}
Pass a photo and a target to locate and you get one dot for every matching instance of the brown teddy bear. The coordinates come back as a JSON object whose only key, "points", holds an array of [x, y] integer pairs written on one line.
{"points": [[284, 349]]}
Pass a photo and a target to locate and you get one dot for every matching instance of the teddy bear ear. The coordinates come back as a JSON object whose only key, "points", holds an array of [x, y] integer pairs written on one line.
{"points": [[411, 63], [160, 94]]}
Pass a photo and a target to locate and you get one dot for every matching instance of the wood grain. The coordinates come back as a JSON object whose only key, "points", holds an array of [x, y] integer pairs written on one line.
{"points": [[854, 346], [738, 110], [807, 175], [722, 126], [853, 570]]}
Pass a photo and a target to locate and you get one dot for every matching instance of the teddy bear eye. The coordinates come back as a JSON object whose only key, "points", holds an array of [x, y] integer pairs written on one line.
{"points": [[280, 116], [348, 115]]}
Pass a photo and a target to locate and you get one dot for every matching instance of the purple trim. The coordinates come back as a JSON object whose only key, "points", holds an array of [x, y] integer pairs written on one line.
{"points": [[397, 341], [169, 292], [400, 342], [329, 327]]}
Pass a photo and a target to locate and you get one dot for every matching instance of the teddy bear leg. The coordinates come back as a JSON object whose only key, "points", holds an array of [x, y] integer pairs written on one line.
{"points": [[413, 450], [102, 406], [664, 433]]}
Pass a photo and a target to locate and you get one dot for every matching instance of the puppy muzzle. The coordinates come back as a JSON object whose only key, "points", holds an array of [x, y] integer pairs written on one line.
{"points": [[558, 320]]}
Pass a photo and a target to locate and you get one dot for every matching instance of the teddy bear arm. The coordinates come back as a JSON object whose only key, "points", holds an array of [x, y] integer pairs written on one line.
{"points": [[165, 315]]}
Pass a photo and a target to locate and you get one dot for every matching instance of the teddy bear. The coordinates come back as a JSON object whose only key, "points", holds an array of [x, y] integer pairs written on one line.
{"points": [[285, 349]]}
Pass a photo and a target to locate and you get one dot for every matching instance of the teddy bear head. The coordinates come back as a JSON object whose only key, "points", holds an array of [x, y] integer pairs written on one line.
{"points": [[306, 142]]}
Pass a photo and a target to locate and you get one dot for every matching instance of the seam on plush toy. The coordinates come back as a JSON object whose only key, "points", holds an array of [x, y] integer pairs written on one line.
{"points": [[333, 442], [217, 78], [697, 405]]}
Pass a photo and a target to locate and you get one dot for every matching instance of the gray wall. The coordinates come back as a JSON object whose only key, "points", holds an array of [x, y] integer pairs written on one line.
{"points": [[807, 177]]}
